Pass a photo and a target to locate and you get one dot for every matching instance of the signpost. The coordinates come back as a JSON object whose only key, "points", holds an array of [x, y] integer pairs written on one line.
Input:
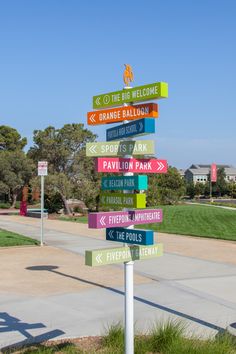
{"points": [[123, 200], [139, 93], [125, 183], [42, 171], [138, 127], [139, 237], [213, 177], [115, 222], [102, 220], [120, 148], [106, 256], [119, 114], [104, 164]]}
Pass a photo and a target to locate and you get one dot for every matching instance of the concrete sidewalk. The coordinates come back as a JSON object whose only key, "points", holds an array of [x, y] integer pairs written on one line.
{"points": [[47, 292]]}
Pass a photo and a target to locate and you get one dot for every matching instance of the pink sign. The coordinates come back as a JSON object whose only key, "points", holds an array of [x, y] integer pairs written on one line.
{"points": [[213, 172], [104, 164], [124, 218]]}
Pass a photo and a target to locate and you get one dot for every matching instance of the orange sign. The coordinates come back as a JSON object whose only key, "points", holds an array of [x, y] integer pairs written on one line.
{"points": [[119, 114]]}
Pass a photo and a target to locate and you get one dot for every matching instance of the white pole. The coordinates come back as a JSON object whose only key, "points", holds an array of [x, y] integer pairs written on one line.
{"points": [[42, 208], [129, 289]]}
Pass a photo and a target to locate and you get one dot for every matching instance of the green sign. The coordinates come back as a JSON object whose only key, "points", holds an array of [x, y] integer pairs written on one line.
{"points": [[105, 256], [121, 148], [139, 93], [123, 200]]}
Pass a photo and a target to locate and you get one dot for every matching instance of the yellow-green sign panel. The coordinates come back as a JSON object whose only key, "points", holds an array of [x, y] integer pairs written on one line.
{"points": [[139, 93], [105, 256], [123, 200], [120, 148]]}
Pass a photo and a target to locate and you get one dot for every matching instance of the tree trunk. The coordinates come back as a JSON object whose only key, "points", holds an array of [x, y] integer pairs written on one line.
{"points": [[67, 209], [14, 196]]}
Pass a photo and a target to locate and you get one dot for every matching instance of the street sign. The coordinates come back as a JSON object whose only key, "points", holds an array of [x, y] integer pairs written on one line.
{"points": [[139, 237], [139, 93], [139, 127], [104, 164], [103, 220], [119, 114], [125, 183], [120, 148], [123, 200], [42, 168], [105, 256]]}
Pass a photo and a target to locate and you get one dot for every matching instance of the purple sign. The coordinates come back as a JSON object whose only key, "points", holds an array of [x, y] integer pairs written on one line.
{"points": [[124, 218]]}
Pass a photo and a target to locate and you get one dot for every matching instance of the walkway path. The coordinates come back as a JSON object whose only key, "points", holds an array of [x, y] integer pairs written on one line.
{"points": [[47, 292]]}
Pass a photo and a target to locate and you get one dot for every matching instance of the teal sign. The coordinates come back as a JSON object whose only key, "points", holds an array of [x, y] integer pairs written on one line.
{"points": [[139, 93], [138, 237], [125, 183], [135, 128]]}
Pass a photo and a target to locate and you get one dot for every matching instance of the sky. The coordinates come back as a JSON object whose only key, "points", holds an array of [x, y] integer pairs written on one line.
{"points": [[55, 55]]}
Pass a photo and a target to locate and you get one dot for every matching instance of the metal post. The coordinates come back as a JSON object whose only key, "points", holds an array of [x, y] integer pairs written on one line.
{"points": [[129, 288], [42, 208]]}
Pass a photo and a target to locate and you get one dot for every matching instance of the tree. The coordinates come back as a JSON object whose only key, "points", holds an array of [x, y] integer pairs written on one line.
{"points": [[10, 139], [190, 189], [165, 188], [220, 187], [16, 171], [64, 150], [199, 189]]}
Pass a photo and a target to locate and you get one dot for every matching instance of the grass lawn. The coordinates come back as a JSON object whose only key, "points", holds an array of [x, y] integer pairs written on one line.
{"points": [[194, 220], [197, 220], [81, 219], [8, 238]]}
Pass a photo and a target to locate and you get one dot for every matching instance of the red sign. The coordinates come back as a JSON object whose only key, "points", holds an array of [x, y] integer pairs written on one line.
{"points": [[104, 164], [213, 172]]}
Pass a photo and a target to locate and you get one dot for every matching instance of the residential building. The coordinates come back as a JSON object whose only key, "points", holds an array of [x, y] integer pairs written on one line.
{"points": [[200, 173]]}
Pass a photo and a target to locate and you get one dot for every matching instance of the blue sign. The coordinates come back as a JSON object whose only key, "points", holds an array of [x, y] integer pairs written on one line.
{"points": [[125, 183], [137, 237], [134, 128]]}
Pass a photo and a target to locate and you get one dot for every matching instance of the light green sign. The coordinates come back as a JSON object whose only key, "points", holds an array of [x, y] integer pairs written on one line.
{"points": [[105, 256], [123, 200], [120, 148], [139, 93]]}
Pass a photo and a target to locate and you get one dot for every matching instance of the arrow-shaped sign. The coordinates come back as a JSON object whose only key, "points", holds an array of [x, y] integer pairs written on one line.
{"points": [[139, 127], [104, 164]]}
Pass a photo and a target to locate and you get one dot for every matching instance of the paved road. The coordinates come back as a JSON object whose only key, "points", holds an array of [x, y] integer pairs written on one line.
{"points": [[189, 283]]}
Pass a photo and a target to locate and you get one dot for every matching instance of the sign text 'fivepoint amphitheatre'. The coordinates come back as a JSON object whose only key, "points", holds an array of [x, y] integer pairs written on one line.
{"points": [[131, 165], [116, 148], [125, 183], [119, 114], [102, 220], [138, 127], [139, 237], [105, 256], [139, 93], [123, 200]]}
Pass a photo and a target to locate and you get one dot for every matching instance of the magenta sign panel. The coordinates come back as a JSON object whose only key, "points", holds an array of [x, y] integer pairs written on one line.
{"points": [[213, 172], [123, 218], [104, 164]]}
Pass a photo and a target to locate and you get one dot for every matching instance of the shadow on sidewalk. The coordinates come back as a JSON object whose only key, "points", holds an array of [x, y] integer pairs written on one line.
{"points": [[12, 324], [52, 269]]}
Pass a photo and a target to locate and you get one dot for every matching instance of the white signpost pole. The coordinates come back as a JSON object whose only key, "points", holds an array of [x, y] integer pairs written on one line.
{"points": [[129, 288], [42, 208], [42, 171]]}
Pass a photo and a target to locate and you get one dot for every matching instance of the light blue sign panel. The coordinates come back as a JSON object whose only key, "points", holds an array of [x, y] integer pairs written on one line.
{"points": [[125, 183], [134, 128], [137, 237]]}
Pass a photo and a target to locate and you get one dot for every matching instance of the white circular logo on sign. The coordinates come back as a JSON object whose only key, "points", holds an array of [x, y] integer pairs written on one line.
{"points": [[106, 99]]}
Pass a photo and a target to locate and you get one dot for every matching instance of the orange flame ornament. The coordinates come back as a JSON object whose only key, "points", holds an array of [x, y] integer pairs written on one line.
{"points": [[128, 75]]}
